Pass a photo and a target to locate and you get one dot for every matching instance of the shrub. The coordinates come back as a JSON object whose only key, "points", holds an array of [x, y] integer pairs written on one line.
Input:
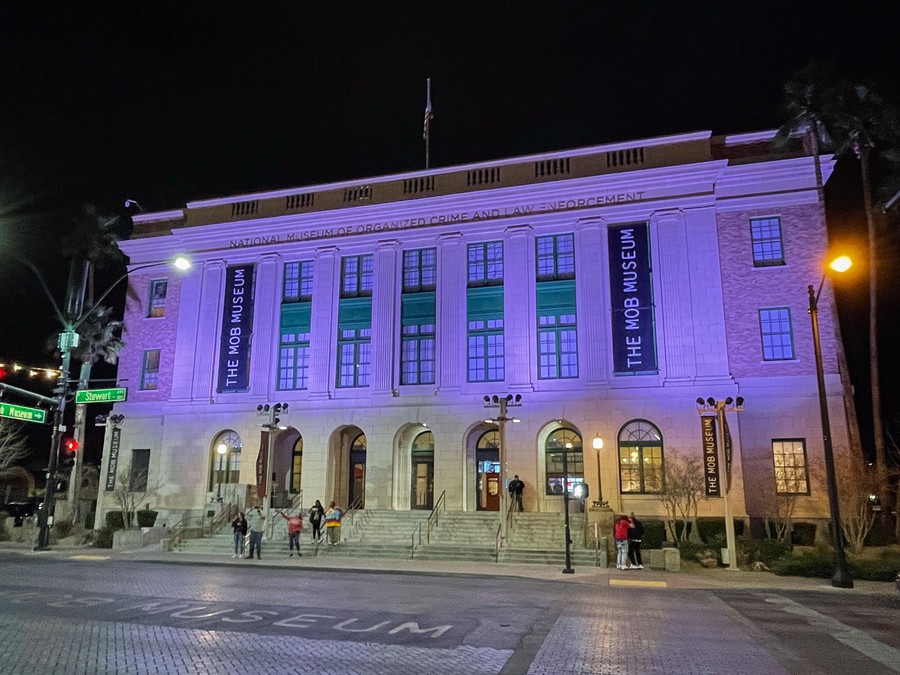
{"points": [[115, 521], [654, 533], [4, 533], [882, 568], [713, 527], [880, 535], [146, 518], [804, 534], [761, 550], [103, 538], [689, 550], [89, 521], [63, 528], [812, 564]]}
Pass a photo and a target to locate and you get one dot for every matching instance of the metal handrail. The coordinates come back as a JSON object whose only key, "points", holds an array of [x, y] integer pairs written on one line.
{"points": [[439, 506], [224, 515], [354, 507], [509, 518], [412, 545], [296, 501], [497, 544]]}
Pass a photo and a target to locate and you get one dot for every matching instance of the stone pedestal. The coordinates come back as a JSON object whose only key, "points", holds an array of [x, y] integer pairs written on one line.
{"points": [[604, 516]]}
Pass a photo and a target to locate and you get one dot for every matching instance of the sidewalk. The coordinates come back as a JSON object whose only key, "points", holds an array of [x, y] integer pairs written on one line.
{"points": [[693, 578]]}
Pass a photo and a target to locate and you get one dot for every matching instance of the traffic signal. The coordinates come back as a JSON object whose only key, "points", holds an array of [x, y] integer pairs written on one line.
{"points": [[61, 485], [68, 452]]}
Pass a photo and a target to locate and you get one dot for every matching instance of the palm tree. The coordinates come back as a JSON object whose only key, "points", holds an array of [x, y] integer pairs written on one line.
{"points": [[811, 103], [94, 240]]}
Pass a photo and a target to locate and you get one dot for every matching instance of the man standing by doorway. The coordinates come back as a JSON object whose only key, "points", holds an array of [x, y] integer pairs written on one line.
{"points": [[255, 520], [516, 488]]}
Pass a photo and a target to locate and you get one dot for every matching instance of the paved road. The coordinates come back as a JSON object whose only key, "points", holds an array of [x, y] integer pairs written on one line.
{"points": [[65, 615]]}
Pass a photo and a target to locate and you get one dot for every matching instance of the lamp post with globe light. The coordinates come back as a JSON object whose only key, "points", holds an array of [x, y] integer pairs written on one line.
{"points": [[222, 450]]}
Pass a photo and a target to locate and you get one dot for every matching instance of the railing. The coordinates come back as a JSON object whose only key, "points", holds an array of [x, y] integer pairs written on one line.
{"points": [[509, 517], [225, 515], [439, 507], [296, 501], [350, 516], [497, 543]]}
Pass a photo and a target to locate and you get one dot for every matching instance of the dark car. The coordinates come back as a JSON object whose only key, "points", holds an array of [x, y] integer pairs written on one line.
{"points": [[19, 511]]}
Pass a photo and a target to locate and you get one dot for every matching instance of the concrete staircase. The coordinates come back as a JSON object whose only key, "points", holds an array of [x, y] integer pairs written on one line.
{"points": [[535, 538]]}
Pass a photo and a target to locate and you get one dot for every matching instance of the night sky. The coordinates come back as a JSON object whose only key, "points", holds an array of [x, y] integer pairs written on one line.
{"points": [[164, 103]]}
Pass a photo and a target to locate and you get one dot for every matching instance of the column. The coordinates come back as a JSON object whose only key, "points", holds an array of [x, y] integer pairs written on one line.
{"points": [[186, 335], [591, 290], [451, 307], [323, 324], [208, 329], [675, 301], [519, 307], [385, 318], [266, 323]]}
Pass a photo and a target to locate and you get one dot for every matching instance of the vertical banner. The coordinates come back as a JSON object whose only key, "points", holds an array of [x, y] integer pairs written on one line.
{"points": [[114, 443], [710, 456], [237, 329], [262, 459], [631, 300], [728, 447]]}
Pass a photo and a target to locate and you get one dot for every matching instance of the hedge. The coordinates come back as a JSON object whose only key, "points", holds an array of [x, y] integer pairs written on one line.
{"points": [[821, 564], [103, 538], [115, 521], [146, 518]]}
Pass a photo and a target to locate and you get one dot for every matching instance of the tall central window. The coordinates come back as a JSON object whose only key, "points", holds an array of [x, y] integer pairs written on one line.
{"points": [[355, 321], [355, 354], [418, 316], [484, 309], [557, 325], [357, 276], [296, 309], [640, 457], [298, 281]]}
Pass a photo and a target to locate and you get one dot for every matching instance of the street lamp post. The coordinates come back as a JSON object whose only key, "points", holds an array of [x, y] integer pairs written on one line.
{"points": [[272, 425], [503, 403], [222, 449], [711, 405], [565, 453], [597, 444], [841, 578]]}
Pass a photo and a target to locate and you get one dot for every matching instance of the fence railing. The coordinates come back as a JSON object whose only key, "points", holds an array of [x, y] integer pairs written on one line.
{"points": [[433, 519]]}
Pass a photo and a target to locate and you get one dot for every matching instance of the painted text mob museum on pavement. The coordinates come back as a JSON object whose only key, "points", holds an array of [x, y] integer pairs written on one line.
{"points": [[609, 286]]}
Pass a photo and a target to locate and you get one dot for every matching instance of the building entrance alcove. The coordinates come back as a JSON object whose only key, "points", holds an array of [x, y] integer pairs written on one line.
{"points": [[347, 466]]}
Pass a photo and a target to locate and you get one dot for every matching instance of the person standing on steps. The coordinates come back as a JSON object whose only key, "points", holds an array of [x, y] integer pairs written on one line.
{"points": [[635, 533], [316, 514], [516, 488], [255, 520], [239, 528], [295, 527], [333, 523]]}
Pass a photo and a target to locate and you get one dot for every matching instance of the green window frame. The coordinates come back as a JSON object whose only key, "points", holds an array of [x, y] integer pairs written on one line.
{"points": [[485, 264], [150, 370], [357, 275], [766, 241], [555, 257], [563, 475], [298, 281], [419, 270], [777, 334]]}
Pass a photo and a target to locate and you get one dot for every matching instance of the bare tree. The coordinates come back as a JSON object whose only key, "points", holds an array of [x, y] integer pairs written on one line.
{"points": [[13, 444], [856, 483], [778, 511], [131, 491], [681, 492]]}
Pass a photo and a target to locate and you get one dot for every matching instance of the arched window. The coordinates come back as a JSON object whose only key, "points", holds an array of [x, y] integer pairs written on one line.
{"points": [[489, 440], [564, 460], [424, 442], [640, 458], [225, 459], [297, 465], [357, 493], [422, 464]]}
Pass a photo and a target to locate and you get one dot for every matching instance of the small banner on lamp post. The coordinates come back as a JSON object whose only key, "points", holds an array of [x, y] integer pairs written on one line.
{"points": [[710, 456], [261, 460]]}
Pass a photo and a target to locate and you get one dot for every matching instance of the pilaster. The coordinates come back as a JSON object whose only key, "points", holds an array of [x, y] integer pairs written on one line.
{"points": [[519, 307], [208, 328], [451, 311], [266, 302], [186, 335], [323, 324], [385, 321], [593, 347]]}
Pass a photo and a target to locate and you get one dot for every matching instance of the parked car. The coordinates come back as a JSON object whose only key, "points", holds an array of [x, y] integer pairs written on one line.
{"points": [[19, 511]]}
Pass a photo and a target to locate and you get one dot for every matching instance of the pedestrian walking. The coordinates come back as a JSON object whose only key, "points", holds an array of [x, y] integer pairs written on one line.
{"points": [[295, 527], [255, 520], [316, 514], [635, 533], [516, 488], [620, 534], [239, 529], [333, 523]]}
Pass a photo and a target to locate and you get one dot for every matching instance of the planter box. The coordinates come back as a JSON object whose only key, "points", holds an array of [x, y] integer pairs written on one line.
{"points": [[131, 539]]}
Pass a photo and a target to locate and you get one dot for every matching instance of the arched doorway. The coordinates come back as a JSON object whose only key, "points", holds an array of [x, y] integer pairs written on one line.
{"points": [[296, 476], [356, 490], [487, 471], [422, 462]]}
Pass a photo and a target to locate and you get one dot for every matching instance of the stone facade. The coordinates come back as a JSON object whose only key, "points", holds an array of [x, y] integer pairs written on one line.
{"points": [[696, 199]]}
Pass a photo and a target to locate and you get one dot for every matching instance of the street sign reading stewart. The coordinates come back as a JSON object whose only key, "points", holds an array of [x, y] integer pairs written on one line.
{"points": [[22, 413], [114, 395]]}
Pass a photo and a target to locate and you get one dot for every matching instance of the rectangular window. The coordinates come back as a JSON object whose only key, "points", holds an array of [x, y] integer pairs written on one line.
{"points": [[293, 361], [557, 347], [486, 264], [298, 281], [556, 257], [768, 248], [140, 468], [791, 475], [641, 468], [150, 369], [486, 354], [419, 270], [417, 354], [354, 357], [776, 332], [158, 290], [357, 275]]}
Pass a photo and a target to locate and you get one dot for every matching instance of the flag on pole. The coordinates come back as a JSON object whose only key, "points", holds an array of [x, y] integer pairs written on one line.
{"points": [[428, 115]]}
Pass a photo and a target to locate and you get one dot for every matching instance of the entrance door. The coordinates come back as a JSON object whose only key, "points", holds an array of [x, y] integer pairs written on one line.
{"points": [[357, 488], [488, 480], [422, 482]]}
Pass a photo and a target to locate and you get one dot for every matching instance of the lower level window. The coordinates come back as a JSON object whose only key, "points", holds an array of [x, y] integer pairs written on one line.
{"points": [[355, 357], [791, 475], [417, 354], [293, 361], [557, 347], [150, 369]]}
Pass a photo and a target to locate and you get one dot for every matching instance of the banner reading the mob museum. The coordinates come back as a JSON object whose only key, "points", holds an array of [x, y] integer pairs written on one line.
{"points": [[631, 298], [237, 329]]}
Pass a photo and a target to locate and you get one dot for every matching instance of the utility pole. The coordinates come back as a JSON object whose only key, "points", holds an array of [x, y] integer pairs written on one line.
{"points": [[503, 402], [272, 412]]}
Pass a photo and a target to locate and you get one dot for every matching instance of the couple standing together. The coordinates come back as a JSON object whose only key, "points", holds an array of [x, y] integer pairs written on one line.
{"points": [[628, 532]]}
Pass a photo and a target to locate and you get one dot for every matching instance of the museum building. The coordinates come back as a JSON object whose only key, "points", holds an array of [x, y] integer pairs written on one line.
{"points": [[611, 287]]}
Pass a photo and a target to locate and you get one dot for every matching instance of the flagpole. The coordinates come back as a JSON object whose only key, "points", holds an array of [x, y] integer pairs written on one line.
{"points": [[427, 129]]}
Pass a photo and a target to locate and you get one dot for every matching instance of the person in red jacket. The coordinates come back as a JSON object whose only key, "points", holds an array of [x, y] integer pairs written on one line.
{"points": [[620, 534], [295, 527]]}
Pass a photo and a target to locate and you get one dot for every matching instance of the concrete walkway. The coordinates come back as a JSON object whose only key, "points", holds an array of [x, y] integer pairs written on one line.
{"points": [[692, 576]]}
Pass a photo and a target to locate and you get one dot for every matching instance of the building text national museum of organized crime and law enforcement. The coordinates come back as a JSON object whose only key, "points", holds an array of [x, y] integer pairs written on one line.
{"points": [[610, 286]]}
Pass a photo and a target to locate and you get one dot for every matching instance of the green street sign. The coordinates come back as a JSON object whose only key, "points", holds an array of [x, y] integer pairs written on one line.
{"points": [[115, 395], [22, 413]]}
